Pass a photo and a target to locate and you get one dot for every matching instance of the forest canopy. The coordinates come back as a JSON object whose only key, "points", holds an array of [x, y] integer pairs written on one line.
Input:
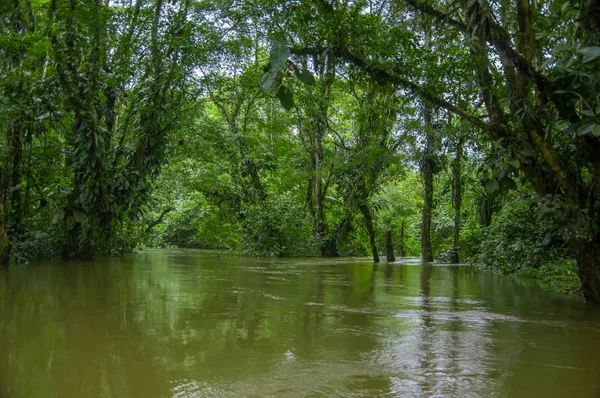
{"points": [[459, 131]]}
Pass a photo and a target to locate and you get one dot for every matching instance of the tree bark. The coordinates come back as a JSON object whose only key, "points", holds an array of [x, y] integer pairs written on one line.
{"points": [[456, 199], [587, 254], [159, 219], [389, 247], [366, 212], [427, 174], [326, 71], [401, 249]]}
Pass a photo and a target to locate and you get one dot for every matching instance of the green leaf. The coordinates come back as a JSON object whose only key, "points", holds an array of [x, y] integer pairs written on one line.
{"points": [[596, 130], [271, 80], [279, 55], [491, 186], [588, 113], [590, 53], [499, 172], [514, 163], [286, 97], [305, 77], [527, 153], [509, 183], [586, 129]]}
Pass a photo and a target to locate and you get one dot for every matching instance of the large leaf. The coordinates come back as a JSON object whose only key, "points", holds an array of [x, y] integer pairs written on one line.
{"points": [[305, 77], [500, 172], [286, 97], [279, 55], [508, 183], [590, 53], [491, 186], [271, 80], [586, 129], [527, 152]]}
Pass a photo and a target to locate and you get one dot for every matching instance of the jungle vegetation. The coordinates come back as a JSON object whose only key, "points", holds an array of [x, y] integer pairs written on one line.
{"points": [[462, 131]]}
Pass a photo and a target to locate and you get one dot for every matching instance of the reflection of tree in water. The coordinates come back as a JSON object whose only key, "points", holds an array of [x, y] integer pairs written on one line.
{"points": [[388, 275], [352, 304], [426, 332], [130, 327], [83, 349], [439, 346]]}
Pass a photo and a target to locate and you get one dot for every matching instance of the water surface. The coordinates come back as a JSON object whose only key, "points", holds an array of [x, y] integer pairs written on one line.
{"points": [[198, 324]]}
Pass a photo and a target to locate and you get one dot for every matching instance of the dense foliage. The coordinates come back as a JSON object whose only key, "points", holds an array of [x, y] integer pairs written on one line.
{"points": [[462, 131]]}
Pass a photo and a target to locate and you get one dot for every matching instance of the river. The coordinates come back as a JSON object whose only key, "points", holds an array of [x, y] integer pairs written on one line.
{"points": [[176, 323]]}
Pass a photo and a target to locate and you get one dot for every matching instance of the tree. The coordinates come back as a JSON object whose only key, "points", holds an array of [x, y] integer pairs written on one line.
{"points": [[549, 123]]}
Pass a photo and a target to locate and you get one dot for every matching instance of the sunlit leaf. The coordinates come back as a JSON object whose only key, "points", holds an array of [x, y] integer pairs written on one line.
{"points": [[271, 80], [590, 53], [279, 55]]}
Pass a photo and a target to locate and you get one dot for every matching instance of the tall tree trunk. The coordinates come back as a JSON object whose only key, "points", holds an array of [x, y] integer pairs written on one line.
{"points": [[428, 165], [366, 212], [485, 216], [389, 246], [592, 22], [319, 210], [456, 199], [327, 75], [587, 254], [401, 249]]}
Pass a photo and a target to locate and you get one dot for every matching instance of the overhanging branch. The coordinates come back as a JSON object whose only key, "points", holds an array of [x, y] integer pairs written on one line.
{"points": [[497, 36], [383, 75]]}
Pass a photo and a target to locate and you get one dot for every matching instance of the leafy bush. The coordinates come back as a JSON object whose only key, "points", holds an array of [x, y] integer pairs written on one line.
{"points": [[519, 241], [277, 227], [198, 224]]}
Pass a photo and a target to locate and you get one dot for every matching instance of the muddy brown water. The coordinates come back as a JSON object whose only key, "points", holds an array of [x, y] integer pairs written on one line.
{"points": [[175, 323]]}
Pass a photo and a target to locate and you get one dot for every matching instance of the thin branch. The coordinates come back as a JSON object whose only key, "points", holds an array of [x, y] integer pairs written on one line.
{"points": [[499, 37], [159, 220], [383, 75]]}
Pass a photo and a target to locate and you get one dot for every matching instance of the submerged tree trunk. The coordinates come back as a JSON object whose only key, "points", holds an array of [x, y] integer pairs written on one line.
{"points": [[389, 247], [587, 254], [456, 200], [366, 212]]}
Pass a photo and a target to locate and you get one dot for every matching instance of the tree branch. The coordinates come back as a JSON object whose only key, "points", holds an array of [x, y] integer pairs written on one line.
{"points": [[159, 219], [497, 36], [384, 75]]}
